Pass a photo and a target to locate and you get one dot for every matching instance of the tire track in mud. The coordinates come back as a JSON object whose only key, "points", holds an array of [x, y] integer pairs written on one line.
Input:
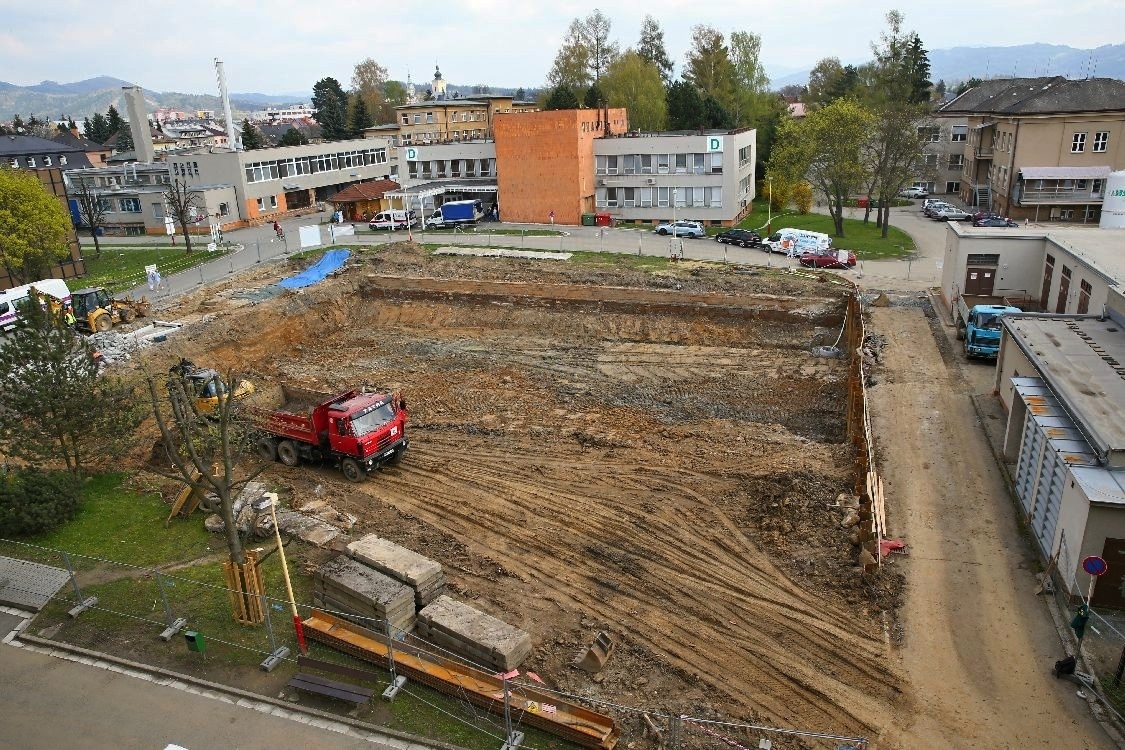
{"points": [[685, 579]]}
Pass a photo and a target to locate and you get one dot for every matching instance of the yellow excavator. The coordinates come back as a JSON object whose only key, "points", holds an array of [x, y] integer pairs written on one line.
{"points": [[96, 311], [208, 386]]}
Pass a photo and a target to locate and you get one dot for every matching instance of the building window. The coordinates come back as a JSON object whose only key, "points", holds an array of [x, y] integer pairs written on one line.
{"points": [[429, 117], [959, 133], [62, 160], [662, 163], [14, 162], [417, 118], [31, 162], [681, 163], [131, 205], [158, 210], [956, 161], [611, 164], [261, 204], [929, 160], [273, 201], [1066, 214], [105, 204], [952, 187], [930, 134], [1078, 143], [1101, 141], [743, 156], [47, 160], [630, 164]]}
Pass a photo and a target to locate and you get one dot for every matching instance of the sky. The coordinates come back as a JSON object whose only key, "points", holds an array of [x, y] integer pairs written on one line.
{"points": [[285, 46]]}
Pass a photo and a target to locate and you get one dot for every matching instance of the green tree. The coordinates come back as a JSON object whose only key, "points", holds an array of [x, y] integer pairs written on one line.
{"points": [[33, 501], [715, 115], [33, 227], [183, 206], [394, 93], [803, 197], [751, 83], [251, 137], [55, 408], [602, 51], [97, 128], [651, 48], [571, 67], [830, 80], [634, 83], [91, 206], [561, 97], [964, 86], [331, 105], [293, 137], [359, 118], [369, 82], [124, 139], [825, 147], [685, 107], [709, 67], [594, 96], [520, 94]]}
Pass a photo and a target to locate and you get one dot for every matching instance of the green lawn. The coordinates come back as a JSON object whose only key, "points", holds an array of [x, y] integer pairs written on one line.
{"points": [[865, 240], [122, 267]]}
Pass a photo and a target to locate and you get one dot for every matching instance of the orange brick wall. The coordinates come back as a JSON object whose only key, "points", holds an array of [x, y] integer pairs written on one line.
{"points": [[545, 163]]}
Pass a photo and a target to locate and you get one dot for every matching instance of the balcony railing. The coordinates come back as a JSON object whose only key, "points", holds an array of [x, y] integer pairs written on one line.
{"points": [[1057, 195]]}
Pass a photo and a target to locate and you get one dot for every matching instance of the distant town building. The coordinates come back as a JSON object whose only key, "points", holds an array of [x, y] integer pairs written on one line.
{"points": [[284, 114]]}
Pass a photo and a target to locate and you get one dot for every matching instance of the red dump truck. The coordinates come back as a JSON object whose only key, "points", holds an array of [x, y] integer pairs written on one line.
{"points": [[358, 430]]}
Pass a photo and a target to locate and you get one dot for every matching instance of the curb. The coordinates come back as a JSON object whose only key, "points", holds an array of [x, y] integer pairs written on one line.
{"points": [[280, 708]]}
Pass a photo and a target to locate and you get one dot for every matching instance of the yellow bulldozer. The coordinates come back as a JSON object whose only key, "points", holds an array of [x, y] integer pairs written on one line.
{"points": [[96, 311]]}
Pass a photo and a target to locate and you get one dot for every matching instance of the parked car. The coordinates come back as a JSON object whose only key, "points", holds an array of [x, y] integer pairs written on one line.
{"points": [[979, 215], [682, 229], [995, 221], [951, 213], [830, 258], [930, 207], [913, 192], [740, 237]]}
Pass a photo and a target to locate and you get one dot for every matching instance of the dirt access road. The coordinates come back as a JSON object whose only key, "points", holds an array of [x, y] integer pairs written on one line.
{"points": [[978, 645], [657, 456]]}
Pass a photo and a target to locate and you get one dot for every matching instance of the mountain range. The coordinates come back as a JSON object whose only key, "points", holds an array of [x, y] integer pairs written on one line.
{"points": [[80, 99]]}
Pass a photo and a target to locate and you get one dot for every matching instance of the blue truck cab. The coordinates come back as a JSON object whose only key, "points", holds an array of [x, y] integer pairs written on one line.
{"points": [[979, 326]]}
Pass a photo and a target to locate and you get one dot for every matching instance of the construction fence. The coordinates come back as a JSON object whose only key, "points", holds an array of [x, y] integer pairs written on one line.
{"points": [[177, 621]]}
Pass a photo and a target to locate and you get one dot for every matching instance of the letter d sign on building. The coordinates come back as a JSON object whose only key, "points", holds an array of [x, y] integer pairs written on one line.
{"points": [[714, 143], [411, 154]]}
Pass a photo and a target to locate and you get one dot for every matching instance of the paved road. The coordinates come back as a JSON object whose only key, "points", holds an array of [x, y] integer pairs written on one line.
{"points": [[259, 245], [47, 703]]}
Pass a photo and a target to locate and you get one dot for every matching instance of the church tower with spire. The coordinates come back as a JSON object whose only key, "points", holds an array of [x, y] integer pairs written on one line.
{"points": [[438, 86]]}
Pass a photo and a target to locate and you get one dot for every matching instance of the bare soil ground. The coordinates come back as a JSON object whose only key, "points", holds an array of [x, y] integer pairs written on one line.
{"points": [[587, 460]]}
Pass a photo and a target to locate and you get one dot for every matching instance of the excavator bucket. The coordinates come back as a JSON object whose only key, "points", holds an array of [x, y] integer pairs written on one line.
{"points": [[594, 658]]}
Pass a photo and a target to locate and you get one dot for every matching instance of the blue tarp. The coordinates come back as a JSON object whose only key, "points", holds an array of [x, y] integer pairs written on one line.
{"points": [[332, 260]]}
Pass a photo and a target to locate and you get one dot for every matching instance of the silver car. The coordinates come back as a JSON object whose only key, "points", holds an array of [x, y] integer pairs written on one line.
{"points": [[951, 213]]}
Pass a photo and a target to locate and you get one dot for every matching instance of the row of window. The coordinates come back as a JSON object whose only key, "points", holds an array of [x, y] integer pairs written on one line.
{"points": [[471, 116], [744, 155], [434, 136], [125, 205], [1101, 142], [185, 169], [279, 169], [956, 161], [31, 163], [452, 168], [648, 197], [932, 133], [688, 163]]}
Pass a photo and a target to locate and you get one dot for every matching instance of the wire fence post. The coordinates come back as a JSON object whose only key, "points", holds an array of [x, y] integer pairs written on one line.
{"points": [[258, 247], [83, 603], [396, 681], [174, 624], [277, 653], [513, 739]]}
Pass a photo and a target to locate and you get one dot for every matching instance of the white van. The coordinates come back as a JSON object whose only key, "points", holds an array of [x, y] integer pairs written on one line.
{"points": [[793, 242], [394, 220], [10, 298]]}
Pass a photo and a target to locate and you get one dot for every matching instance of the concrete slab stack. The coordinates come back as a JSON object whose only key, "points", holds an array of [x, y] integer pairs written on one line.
{"points": [[420, 573], [481, 638], [361, 594]]}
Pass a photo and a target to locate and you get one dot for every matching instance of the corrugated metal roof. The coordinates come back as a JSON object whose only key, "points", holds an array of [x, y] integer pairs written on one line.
{"points": [[1062, 434]]}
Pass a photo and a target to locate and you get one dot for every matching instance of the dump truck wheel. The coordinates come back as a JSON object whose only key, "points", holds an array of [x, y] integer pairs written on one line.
{"points": [[103, 323], [267, 449], [287, 453], [352, 471]]}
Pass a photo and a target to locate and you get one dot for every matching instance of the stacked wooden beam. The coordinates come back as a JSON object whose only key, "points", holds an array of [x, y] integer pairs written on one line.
{"points": [[420, 573], [363, 594], [481, 638]]}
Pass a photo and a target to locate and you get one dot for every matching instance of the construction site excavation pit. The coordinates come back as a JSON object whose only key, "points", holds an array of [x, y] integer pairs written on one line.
{"points": [[652, 454]]}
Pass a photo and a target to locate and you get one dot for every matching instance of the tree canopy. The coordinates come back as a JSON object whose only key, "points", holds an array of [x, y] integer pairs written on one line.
{"points": [[252, 138], [709, 67], [293, 137], [561, 97], [634, 83], [331, 108], [685, 107], [55, 408], [369, 85], [33, 227], [651, 48]]}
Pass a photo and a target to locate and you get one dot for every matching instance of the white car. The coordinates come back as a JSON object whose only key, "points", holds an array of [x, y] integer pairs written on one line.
{"points": [[682, 229], [913, 192], [950, 213]]}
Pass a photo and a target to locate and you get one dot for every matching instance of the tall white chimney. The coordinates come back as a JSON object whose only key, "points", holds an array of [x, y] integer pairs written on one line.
{"points": [[232, 134], [138, 124]]}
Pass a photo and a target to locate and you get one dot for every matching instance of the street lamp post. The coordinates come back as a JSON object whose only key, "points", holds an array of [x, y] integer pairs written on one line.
{"points": [[769, 208]]}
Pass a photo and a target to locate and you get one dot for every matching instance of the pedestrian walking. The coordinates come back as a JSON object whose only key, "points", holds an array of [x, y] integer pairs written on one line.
{"points": [[277, 229], [552, 216]]}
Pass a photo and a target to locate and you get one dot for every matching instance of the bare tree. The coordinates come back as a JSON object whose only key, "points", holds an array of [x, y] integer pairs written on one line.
{"points": [[91, 209], [183, 207]]}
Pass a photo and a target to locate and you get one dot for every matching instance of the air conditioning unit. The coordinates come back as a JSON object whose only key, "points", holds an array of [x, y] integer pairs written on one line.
{"points": [[651, 180], [602, 183]]}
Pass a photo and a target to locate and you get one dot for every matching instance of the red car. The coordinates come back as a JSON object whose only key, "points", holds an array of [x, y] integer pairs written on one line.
{"points": [[830, 258]]}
